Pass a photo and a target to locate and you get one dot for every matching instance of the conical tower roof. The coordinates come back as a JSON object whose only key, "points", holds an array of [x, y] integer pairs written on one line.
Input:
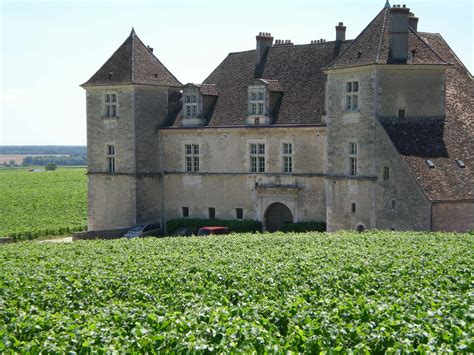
{"points": [[133, 63], [372, 47]]}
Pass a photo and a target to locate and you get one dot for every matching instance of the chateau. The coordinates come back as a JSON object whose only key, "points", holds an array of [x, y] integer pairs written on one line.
{"points": [[375, 132]]}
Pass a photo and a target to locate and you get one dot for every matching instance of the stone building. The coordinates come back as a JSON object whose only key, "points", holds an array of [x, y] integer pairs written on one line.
{"points": [[375, 132]]}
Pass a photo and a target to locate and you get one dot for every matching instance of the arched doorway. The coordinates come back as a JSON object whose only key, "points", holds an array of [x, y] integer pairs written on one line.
{"points": [[276, 215]]}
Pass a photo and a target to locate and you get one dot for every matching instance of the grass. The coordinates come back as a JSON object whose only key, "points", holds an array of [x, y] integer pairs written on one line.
{"points": [[373, 292], [34, 204]]}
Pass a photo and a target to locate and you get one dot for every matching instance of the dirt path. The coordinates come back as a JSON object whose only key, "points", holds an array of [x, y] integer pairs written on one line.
{"points": [[57, 240]]}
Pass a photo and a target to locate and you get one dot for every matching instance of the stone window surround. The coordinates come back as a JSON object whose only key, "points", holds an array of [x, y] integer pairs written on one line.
{"points": [[193, 156], [352, 155], [264, 155], [107, 106], [110, 161], [239, 210], [192, 102], [352, 95], [289, 156]]}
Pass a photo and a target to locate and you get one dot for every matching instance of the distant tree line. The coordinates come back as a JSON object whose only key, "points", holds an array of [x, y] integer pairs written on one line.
{"points": [[43, 150], [70, 160]]}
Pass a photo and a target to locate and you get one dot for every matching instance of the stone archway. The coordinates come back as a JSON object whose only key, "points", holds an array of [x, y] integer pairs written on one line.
{"points": [[276, 215]]}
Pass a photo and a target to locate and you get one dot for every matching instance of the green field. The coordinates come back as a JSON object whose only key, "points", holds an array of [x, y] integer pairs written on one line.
{"points": [[371, 292], [34, 204]]}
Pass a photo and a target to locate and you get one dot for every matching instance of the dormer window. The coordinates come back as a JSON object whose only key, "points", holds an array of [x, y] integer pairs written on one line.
{"points": [[257, 102]]}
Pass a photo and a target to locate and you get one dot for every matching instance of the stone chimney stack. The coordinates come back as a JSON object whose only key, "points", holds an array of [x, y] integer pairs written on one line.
{"points": [[413, 21], [399, 33], [340, 32], [264, 41]]}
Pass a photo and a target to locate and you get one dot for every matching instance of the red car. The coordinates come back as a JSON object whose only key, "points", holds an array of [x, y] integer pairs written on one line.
{"points": [[213, 230]]}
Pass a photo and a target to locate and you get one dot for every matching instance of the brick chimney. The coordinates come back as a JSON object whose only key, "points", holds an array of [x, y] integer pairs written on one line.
{"points": [[413, 21], [264, 41], [399, 33], [340, 32]]}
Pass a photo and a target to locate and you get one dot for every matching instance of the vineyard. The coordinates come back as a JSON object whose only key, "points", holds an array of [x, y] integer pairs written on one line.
{"points": [[372, 292], [34, 204]]}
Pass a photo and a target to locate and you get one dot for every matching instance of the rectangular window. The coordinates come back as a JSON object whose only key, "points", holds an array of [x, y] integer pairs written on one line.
{"points": [[401, 113], [287, 157], [212, 212], [386, 173], [190, 106], [111, 158], [185, 212], [257, 102], [353, 207], [110, 105], [257, 158], [352, 158], [393, 203], [191, 155], [352, 96], [239, 213]]}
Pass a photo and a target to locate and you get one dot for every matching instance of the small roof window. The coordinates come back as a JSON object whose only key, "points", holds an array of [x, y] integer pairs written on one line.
{"points": [[460, 163], [430, 163]]}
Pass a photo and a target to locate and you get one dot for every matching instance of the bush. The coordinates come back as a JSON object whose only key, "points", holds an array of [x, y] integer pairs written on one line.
{"points": [[301, 227], [245, 226], [51, 166]]}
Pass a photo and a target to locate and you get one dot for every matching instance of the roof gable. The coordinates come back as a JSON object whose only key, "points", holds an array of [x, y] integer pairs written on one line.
{"points": [[133, 63]]}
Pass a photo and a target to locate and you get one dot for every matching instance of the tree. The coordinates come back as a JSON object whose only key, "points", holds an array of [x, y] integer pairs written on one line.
{"points": [[51, 166]]}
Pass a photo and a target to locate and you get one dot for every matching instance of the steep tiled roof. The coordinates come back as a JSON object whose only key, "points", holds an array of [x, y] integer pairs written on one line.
{"points": [[297, 69], [441, 140], [133, 63], [372, 47]]}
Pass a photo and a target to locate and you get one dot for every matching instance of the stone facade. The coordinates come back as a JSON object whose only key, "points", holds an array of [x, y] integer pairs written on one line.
{"points": [[318, 132]]}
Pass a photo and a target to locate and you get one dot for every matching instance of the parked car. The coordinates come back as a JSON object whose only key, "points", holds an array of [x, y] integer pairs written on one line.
{"points": [[144, 230], [184, 232], [213, 230]]}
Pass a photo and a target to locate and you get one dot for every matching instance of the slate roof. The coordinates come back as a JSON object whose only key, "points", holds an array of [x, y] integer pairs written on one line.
{"points": [[442, 139], [372, 47], [133, 63], [295, 70]]}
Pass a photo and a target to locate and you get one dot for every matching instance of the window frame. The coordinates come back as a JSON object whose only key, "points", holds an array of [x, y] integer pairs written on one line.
{"points": [[353, 164], [110, 104], [239, 211], [185, 212], [257, 157], [257, 101], [351, 95], [287, 157], [386, 173], [192, 157], [111, 164], [213, 214], [191, 105]]}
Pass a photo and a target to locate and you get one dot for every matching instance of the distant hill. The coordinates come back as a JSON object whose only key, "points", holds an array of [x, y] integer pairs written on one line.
{"points": [[43, 150]]}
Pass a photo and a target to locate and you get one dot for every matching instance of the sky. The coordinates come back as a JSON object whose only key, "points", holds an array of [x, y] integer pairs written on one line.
{"points": [[48, 48]]}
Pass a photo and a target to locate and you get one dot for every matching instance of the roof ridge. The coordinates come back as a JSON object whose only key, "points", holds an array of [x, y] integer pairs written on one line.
{"points": [[132, 57], [153, 56], [355, 39], [384, 24]]}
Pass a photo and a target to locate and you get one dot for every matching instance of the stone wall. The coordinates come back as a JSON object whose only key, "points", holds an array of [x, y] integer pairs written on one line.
{"points": [[225, 181], [400, 202], [345, 126], [420, 92], [453, 216]]}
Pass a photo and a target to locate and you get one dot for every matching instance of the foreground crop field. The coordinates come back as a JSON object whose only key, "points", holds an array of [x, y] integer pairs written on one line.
{"points": [[368, 292], [34, 204]]}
